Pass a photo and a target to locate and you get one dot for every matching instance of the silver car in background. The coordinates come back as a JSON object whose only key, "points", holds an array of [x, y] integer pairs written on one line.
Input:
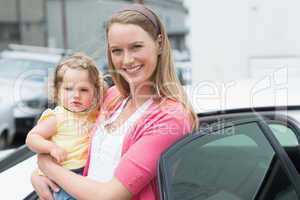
{"points": [[7, 125], [23, 82]]}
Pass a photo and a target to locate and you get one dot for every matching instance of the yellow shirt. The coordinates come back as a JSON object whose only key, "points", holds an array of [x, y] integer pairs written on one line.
{"points": [[73, 132]]}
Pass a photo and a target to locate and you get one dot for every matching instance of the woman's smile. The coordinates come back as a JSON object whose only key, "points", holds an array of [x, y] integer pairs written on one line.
{"points": [[133, 70]]}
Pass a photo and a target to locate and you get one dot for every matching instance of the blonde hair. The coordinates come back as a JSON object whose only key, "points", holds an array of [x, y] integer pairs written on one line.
{"points": [[83, 62], [164, 77]]}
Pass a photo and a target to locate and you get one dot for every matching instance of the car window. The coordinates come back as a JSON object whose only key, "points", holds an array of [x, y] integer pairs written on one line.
{"points": [[237, 141], [32, 69], [229, 164], [284, 134], [281, 186]]}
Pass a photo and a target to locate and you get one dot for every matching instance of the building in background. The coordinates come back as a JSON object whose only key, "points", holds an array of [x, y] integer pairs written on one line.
{"points": [[84, 22], [236, 39], [76, 24], [23, 22]]}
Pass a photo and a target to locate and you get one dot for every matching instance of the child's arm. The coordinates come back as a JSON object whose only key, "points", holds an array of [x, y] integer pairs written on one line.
{"points": [[38, 139]]}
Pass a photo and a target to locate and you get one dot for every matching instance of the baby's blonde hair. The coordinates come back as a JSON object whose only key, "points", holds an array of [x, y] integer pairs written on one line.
{"points": [[83, 62]]}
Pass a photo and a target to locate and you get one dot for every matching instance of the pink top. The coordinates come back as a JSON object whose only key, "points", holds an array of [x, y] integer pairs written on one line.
{"points": [[159, 127]]}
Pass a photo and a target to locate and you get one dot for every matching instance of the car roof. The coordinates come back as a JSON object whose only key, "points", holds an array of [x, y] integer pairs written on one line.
{"points": [[46, 57], [211, 96]]}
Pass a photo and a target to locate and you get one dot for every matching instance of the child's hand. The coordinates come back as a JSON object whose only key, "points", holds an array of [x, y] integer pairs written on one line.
{"points": [[58, 153]]}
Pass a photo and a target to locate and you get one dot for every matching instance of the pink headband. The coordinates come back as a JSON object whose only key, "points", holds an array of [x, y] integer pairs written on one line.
{"points": [[142, 10]]}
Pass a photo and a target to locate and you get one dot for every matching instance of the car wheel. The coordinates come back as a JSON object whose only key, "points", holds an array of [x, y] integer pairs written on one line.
{"points": [[3, 140]]}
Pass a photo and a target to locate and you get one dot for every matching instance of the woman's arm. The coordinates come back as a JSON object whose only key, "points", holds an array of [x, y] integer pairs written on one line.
{"points": [[81, 187], [38, 139], [138, 166]]}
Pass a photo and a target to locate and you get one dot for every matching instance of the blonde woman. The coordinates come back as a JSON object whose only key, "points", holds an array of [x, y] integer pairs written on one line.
{"points": [[141, 116]]}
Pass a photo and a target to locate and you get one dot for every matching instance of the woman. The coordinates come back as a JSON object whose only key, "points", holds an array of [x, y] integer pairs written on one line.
{"points": [[144, 114]]}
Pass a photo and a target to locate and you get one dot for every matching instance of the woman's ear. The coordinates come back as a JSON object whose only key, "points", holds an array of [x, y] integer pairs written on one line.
{"points": [[159, 44]]}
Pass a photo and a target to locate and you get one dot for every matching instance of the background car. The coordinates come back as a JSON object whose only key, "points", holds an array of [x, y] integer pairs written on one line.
{"points": [[103, 67], [7, 124], [23, 77], [183, 66], [6, 152], [246, 147], [184, 72]]}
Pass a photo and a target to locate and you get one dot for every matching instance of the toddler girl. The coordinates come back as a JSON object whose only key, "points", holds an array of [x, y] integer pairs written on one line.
{"points": [[64, 131]]}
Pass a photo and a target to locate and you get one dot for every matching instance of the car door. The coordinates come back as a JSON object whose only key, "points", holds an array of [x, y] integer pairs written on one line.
{"points": [[238, 160], [286, 130]]}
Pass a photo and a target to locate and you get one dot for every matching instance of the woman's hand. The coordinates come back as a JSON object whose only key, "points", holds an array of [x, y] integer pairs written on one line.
{"points": [[45, 162], [43, 186]]}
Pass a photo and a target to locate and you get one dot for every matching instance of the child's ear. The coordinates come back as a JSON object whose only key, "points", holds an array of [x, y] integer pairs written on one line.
{"points": [[159, 44]]}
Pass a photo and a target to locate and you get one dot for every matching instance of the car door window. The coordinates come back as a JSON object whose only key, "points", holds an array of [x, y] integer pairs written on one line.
{"points": [[278, 185], [228, 164], [284, 134]]}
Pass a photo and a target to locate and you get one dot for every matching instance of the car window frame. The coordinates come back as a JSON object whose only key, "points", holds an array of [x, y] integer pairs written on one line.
{"points": [[269, 114], [283, 158], [286, 120]]}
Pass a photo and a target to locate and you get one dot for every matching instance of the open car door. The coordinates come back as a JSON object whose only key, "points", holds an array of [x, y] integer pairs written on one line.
{"points": [[238, 160]]}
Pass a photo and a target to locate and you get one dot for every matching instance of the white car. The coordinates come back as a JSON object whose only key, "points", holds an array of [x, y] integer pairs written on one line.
{"points": [[7, 124], [6, 152], [184, 72], [23, 84], [247, 147], [183, 66]]}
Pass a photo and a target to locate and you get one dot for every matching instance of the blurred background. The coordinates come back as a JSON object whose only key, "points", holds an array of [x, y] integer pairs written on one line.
{"points": [[212, 41], [36, 34]]}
